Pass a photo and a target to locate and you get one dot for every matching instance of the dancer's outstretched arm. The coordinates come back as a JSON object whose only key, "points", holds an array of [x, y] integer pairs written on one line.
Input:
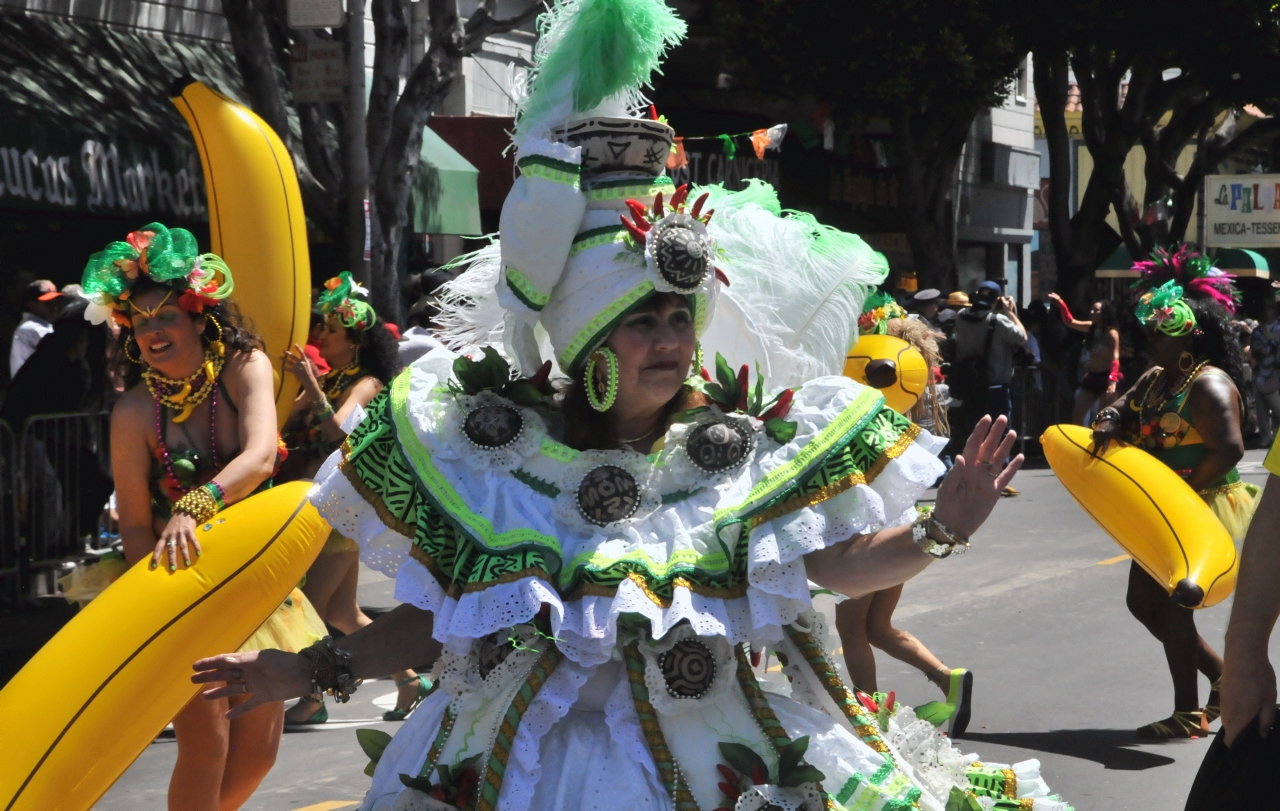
{"points": [[867, 563], [397, 640]]}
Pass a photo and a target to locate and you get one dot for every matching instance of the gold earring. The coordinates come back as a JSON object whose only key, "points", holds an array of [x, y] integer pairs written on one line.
{"points": [[1186, 362], [216, 344], [138, 360]]}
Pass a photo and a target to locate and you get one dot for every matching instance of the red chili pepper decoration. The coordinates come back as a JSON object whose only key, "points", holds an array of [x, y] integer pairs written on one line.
{"points": [[697, 205], [677, 199], [755, 658], [743, 374], [868, 702], [705, 374], [724, 280], [658, 211], [780, 408], [759, 776], [890, 701], [540, 378]]}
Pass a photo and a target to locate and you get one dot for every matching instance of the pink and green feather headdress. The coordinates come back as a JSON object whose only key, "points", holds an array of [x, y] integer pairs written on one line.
{"points": [[1194, 273]]}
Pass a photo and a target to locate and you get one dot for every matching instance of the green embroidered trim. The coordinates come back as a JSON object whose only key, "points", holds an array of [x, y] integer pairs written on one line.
{"points": [[840, 432], [496, 769], [558, 451], [627, 189], [882, 773], [654, 740], [681, 562], [546, 488], [540, 163], [437, 746], [524, 290], [434, 482], [576, 352], [595, 237], [850, 786]]}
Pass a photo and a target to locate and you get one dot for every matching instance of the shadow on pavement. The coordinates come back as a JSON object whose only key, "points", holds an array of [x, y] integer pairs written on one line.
{"points": [[1108, 747]]}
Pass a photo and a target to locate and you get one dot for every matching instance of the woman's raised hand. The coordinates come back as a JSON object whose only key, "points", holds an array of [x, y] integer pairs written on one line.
{"points": [[264, 676], [972, 487], [297, 362]]}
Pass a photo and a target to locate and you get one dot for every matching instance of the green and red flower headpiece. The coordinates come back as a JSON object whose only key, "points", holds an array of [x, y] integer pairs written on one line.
{"points": [[167, 256], [339, 299]]}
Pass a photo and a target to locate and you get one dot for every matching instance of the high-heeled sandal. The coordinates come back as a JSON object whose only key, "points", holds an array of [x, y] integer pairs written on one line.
{"points": [[424, 690], [320, 716], [1213, 708], [1182, 724]]}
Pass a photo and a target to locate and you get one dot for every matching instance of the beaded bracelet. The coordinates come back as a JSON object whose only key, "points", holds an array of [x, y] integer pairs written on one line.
{"points": [[219, 495], [199, 504], [330, 670], [323, 410]]}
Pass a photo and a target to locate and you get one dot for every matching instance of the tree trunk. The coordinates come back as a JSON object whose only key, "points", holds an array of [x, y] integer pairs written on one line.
{"points": [[930, 156], [354, 155]]}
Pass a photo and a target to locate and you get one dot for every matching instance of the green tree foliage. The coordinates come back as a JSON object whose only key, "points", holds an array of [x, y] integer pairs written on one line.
{"points": [[924, 67]]}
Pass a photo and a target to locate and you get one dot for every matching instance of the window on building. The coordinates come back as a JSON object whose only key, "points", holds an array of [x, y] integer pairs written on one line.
{"points": [[1022, 81]]}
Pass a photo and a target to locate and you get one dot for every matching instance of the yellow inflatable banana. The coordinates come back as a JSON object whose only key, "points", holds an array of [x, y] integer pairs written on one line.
{"points": [[256, 221], [97, 693], [1152, 513], [891, 365]]}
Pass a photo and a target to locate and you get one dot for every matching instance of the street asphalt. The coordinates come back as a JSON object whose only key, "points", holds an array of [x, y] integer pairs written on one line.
{"points": [[1036, 610]]}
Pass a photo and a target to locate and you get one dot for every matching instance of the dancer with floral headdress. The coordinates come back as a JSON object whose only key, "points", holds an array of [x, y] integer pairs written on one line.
{"points": [[606, 554], [194, 431], [362, 359], [1186, 411]]}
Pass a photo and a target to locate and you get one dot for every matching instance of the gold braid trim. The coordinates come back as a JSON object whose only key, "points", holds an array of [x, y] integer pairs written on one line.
{"points": [[655, 740], [1010, 784], [1214, 492], [392, 521], [838, 486], [593, 590]]}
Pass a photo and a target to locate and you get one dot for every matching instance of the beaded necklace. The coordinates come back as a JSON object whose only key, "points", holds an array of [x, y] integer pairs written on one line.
{"points": [[339, 380], [184, 394], [1146, 408], [213, 438]]}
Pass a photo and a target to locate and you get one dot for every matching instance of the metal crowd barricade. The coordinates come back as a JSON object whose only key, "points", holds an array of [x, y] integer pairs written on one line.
{"points": [[63, 484], [1037, 403], [10, 551]]}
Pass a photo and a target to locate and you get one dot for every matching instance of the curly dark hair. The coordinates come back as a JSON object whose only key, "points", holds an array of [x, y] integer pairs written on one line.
{"points": [[237, 334], [378, 350], [1108, 319], [1215, 340]]}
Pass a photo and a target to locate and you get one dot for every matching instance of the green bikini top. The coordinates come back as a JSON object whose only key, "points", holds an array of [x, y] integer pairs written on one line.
{"points": [[1168, 431]]}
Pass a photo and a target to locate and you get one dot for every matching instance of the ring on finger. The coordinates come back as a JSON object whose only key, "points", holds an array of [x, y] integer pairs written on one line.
{"points": [[171, 544]]}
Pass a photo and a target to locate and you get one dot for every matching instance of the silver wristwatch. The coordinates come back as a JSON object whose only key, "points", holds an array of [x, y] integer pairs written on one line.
{"points": [[935, 539]]}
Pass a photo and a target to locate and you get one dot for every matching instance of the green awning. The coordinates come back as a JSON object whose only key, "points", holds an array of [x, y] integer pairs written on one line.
{"points": [[446, 198], [1241, 262]]}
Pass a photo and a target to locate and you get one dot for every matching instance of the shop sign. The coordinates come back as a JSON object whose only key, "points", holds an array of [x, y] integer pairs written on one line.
{"points": [[1242, 211], [713, 166], [44, 169]]}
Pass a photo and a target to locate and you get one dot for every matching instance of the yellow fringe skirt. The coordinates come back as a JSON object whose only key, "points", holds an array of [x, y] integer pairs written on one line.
{"points": [[1234, 504], [291, 627]]}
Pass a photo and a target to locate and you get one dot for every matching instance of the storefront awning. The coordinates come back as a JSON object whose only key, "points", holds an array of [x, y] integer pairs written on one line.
{"points": [[1242, 262], [446, 199]]}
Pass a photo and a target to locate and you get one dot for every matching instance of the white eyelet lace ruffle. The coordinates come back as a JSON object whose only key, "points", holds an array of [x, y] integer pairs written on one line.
{"points": [[506, 458]]}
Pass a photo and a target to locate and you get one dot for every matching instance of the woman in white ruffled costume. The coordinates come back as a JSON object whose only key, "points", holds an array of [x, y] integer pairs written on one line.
{"points": [[609, 561]]}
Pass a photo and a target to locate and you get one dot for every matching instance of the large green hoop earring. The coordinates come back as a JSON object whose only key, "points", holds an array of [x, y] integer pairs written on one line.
{"points": [[598, 401]]}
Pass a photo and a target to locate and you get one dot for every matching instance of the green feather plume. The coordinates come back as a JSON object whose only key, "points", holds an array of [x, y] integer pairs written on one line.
{"points": [[590, 51]]}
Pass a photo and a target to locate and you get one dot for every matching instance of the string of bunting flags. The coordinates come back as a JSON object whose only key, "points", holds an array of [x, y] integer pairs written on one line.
{"points": [[761, 140]]}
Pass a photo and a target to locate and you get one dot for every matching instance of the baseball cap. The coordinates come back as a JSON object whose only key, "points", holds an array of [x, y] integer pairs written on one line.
{"points": [[992, 286], [928, 294], [40, 290]]}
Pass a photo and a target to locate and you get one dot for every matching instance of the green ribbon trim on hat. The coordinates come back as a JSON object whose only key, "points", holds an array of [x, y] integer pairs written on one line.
{"points": [[627, 189], [540, 166], [524, 290], [558, 450], [595, 237], [442, 492], [586, 340]]}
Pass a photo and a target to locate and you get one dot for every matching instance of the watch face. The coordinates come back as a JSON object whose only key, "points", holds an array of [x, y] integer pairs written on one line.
{"points": [[607, 494], [717, 446], [493, 426]]}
